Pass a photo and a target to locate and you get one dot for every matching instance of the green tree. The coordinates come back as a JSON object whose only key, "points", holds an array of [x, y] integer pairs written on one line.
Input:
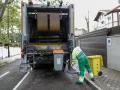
{"points": [[10, 22]]}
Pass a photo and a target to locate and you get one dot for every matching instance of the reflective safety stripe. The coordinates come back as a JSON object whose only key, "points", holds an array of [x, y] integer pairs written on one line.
{"points": [[91, 75], [81, 79], [81, 53]]}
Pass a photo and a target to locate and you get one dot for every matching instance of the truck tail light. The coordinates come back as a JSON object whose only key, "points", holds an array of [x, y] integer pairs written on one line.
{"points": [[58, 51]]}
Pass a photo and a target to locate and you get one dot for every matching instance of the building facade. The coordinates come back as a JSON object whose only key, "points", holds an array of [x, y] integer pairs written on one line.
{"points": [[108, 18]]}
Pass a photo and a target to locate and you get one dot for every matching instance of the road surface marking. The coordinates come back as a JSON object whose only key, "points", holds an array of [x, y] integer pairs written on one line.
{"points": [[15, 88], [4, 74]]}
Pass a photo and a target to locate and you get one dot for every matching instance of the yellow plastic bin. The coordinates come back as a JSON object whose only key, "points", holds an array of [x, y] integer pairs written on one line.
{"points": [[96, 63]]}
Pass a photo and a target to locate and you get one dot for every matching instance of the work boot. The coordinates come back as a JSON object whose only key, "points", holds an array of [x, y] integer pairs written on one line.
{"points": [[92, 79], [79, 82]]}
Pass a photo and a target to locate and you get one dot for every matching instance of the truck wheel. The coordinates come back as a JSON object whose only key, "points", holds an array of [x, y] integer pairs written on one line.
{"points": [[64, 66], [34, 66], [69, 65]]}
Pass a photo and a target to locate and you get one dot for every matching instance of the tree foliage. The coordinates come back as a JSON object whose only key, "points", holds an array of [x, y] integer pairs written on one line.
{"points": [[10, 23]]}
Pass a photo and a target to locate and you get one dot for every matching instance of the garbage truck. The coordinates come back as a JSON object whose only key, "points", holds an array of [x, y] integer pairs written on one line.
{"points": [[47, 34]]}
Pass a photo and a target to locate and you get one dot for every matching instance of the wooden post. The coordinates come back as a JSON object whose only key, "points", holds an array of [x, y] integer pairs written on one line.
{"points": [[8, 34], [118, 18], [112, 20]]}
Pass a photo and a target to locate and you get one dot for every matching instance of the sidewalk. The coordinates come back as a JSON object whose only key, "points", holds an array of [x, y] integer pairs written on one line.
{"points": [[9, 60], [110, 80]]}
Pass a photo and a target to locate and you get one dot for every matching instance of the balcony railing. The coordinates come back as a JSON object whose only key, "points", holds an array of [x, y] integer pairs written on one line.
{"points": [[109, 25]]}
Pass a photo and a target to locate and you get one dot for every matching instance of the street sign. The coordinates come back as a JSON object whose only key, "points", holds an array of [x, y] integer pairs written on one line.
{"points": [[109, 42]]}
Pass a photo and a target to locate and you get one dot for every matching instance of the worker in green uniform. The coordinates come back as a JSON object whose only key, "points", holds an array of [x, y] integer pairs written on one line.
{"points": [[80, 60]]}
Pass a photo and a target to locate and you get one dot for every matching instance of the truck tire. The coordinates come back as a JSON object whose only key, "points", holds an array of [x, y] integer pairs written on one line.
{"points": [[69, 65], [64, 66], [34, 66]]}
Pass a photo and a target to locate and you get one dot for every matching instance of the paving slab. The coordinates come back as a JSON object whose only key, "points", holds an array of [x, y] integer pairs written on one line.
{"points": [[110, 80]]}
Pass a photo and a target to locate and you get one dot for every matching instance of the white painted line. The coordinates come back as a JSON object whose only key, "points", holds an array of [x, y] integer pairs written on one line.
{"points": [[15, 88], [4, 74], [97, 87]]}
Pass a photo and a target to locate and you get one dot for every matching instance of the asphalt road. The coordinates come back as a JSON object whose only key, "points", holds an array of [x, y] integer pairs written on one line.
{"points": [[43, 78]]}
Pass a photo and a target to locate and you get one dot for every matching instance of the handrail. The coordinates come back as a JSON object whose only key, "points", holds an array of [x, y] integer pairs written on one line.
{"points": [[108, 24]]}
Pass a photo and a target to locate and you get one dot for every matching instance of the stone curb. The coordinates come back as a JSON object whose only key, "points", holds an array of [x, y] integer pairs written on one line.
{"points": [[92, 84], [3, 63], [88, 81]]}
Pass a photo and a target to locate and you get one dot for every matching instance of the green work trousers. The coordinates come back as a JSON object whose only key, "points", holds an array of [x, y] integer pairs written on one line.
{"points": [[83, 64]]}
